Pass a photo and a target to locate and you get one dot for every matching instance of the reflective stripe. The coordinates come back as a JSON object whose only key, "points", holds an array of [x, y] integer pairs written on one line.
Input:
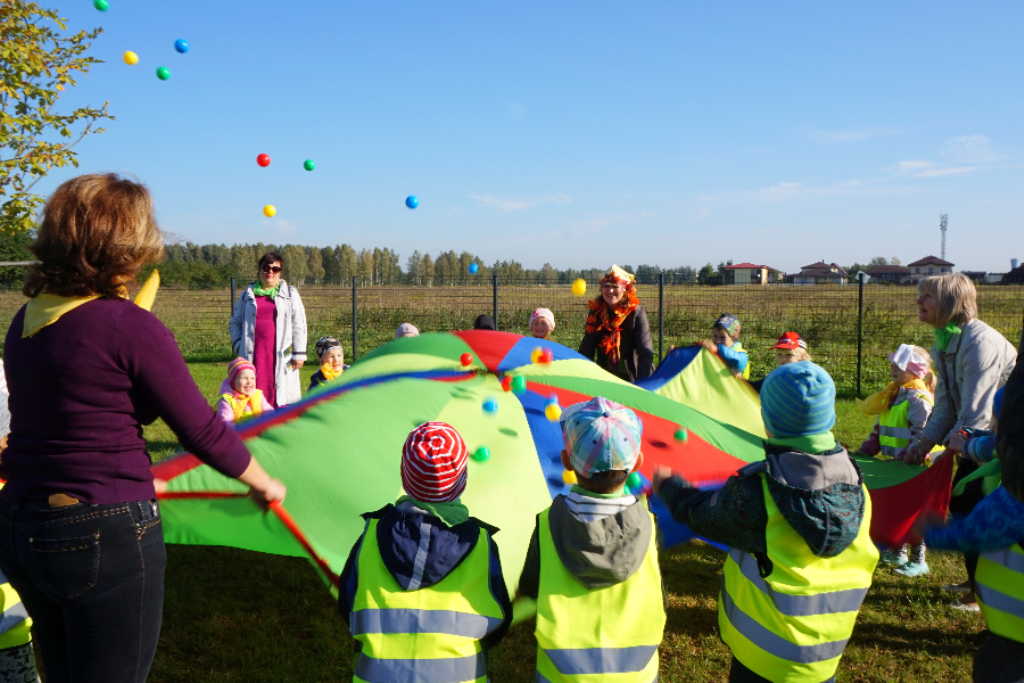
{"points": [[422, 621], [891, 451], [420, 563], [990, 597], [13, 616], [895, 432], [775, 644], [799, 605], [452, 670], [1007, 558], [541, 678], [602, 660]]}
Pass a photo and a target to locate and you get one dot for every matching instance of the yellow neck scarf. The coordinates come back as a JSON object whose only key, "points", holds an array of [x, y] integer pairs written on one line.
{"points": [[46, 309], [328, 372], [882, 400]]}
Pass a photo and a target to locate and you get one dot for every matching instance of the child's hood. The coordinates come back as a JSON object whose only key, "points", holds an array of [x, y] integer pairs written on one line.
{"points": [[604, 552], [419, 550]]}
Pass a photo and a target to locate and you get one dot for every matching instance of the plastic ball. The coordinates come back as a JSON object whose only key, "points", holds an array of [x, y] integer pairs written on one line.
{"points": [[552, 412], [412, 201], [579, 287], [681, 435], [536, 355], [130, 58], [269, 210], [519, 385], [263, 160], [506, 383], [634, 481], [308, 165], [474, 268], [101, 5], [552, 398], [466, 359], [163, 73], [491, 406], [181, 45], [568, 477], [546, 356], [481, 454]]}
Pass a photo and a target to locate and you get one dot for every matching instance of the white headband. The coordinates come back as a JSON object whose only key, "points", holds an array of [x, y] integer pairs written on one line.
{"points": [[906, 358]]}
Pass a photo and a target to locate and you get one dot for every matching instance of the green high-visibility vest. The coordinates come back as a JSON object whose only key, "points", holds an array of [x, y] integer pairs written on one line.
{"points": [[894, 427], [1000, 584], [607, 634], [425, 635], [15, 624], [746, 371], [793, 626]]}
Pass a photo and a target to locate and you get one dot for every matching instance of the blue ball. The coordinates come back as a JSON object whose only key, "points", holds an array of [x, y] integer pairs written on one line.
{"points": [[474, 268], [412, 201], [490, 405], [552, 398], [181, 46]]}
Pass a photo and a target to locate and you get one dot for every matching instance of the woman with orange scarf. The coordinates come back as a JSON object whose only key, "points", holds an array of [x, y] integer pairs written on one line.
{"points": [[618, 335]]}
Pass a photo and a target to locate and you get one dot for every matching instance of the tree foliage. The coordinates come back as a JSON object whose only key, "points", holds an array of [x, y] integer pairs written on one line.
{"points": [[37, 63]]}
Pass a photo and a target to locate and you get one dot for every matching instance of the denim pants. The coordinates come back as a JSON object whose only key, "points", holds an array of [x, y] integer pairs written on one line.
{"points": [[92, 579]]}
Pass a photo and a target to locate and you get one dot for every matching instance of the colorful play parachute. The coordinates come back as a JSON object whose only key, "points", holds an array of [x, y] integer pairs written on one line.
{"points": [[339, 449]]}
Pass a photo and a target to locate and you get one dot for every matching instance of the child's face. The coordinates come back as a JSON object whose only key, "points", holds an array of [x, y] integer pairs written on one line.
{"points": [[783, 357], [720, 336], [245, 383], [901, 377], [335, 357], [540, 327]]}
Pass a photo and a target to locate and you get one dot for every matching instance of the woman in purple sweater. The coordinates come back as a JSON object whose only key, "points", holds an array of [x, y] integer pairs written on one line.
{"points": [[80, 535]]}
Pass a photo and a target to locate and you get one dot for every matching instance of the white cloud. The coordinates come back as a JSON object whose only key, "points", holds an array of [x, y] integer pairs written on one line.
{"points": [[963, 155], [969, 149], [510, 204]]}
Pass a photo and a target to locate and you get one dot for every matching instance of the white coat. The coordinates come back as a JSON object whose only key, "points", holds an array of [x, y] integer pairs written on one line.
{"points": [[290, 344]]}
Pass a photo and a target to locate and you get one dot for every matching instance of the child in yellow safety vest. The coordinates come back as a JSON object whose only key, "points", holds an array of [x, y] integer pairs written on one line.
{"points": [[239, 397], [422, 590], [903, 408], [592, 563], [800, 557], [725, 334]]}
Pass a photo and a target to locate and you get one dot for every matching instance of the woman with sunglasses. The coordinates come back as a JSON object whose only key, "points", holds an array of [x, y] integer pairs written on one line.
{"points": [[268, 328]]}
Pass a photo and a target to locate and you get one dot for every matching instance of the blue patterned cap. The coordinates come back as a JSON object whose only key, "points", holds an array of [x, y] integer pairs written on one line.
{"points": [[601, 436], [729, 323], [798, 399]]}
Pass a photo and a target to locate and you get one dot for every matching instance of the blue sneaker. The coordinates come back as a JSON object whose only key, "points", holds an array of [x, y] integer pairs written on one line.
{"points": [[896, 558], [912, 569]]}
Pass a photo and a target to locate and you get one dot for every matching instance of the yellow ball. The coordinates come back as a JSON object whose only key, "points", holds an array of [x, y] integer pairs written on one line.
{"points": [[269, 210], [536, 355], [579, 288], [130, 58], [569, 477], [553, 411]]}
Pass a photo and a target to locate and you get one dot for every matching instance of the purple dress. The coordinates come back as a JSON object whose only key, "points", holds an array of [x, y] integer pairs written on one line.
{"points": [[265, 348]]}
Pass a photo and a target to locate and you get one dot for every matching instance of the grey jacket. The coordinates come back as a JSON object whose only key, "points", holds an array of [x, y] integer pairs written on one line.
{"points": [[976, 363], [290, 344]]}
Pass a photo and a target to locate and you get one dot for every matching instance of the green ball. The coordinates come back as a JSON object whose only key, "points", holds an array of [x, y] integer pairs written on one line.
{"points": [[101, 5], [481, 454], [681, 435], [308, 165], [519, 385], [634, 481], [163, 73]]}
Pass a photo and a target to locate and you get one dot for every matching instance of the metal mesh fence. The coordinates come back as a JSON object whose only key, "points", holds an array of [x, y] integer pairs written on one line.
{"points": [[826, 316]]}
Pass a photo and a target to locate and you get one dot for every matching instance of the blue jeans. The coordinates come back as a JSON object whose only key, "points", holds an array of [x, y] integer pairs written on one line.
{"points": [[92, 579]]}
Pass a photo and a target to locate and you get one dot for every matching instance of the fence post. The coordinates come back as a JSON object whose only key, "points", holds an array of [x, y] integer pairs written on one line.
{"points": [[355, 319], [661, 317], [495, 297], [232, 293], [861, 277]]}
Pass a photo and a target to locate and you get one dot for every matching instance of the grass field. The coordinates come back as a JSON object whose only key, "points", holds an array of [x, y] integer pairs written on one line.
{"points": [[232, 615]]}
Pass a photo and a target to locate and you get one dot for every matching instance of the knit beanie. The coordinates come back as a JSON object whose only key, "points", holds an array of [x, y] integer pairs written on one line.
{"points": [[434, 463], [798, 399], [544, 313], [235, 367]]}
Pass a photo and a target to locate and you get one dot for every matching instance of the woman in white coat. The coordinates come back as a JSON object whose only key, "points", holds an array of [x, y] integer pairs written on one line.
{"points": [[268, 328]]}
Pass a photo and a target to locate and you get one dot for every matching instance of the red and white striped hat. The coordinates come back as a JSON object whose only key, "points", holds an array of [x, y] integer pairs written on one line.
{"points": [[434, 463]]}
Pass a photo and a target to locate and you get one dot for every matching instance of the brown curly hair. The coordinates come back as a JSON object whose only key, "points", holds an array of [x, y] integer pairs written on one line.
{"points": [[97, 232]]}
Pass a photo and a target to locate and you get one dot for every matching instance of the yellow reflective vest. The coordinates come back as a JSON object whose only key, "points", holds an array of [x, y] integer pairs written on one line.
{"points": [[894, 427], [793, 625], [425, 635], [15, 624], [746, 371], [243, 409], [606, 634], [1000, 585]]}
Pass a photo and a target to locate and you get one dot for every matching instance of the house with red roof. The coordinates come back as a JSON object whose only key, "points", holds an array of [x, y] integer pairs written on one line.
{"points": [[819, 273], [929, 265], [749, 274]]}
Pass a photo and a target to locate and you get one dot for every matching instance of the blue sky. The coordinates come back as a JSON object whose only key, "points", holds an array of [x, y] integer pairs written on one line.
{"points": [[575, 133]]}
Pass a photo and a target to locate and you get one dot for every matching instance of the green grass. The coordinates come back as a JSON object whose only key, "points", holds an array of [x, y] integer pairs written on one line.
{"points": [[233, 615]]}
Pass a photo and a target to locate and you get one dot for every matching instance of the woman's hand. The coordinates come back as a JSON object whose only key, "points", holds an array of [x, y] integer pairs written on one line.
{"points": [[263, 488], [296, 364], [957, 441], [917, 454]]}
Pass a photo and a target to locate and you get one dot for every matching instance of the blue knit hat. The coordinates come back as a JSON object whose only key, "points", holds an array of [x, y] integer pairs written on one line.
{"points": [[798, 399]]}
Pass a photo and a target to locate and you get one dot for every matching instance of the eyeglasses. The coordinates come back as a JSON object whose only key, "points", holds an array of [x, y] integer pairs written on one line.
{"points": [[272, 269]]}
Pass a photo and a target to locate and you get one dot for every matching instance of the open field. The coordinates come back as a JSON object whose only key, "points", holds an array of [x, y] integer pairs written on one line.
{"points": [[232, 615], [826, 316]]}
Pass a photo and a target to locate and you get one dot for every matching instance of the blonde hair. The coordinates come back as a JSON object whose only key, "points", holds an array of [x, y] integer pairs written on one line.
{"points": [[930, 380], [799, 352], [956, 296]]}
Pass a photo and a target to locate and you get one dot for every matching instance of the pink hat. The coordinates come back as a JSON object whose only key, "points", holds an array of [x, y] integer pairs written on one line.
{"points": [[235, 367], [434, 463], [543, 313]]}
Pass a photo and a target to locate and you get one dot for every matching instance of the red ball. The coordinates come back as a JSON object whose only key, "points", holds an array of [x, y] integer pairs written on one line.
{"points": [[506, 383], [466, 359], [546, 356], [263, 160]]}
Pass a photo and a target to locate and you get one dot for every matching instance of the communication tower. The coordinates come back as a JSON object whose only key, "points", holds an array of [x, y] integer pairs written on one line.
{"points": [[943, 221]]}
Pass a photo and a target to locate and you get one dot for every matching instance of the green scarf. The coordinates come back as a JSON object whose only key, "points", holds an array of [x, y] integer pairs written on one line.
{"points": [[812, 443], [617, 493], [452, 514], [943, 336], [258, 290]]}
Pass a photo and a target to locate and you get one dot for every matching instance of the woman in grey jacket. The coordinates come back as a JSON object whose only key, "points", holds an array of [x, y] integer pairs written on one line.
{"points": [[268, 328]]}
